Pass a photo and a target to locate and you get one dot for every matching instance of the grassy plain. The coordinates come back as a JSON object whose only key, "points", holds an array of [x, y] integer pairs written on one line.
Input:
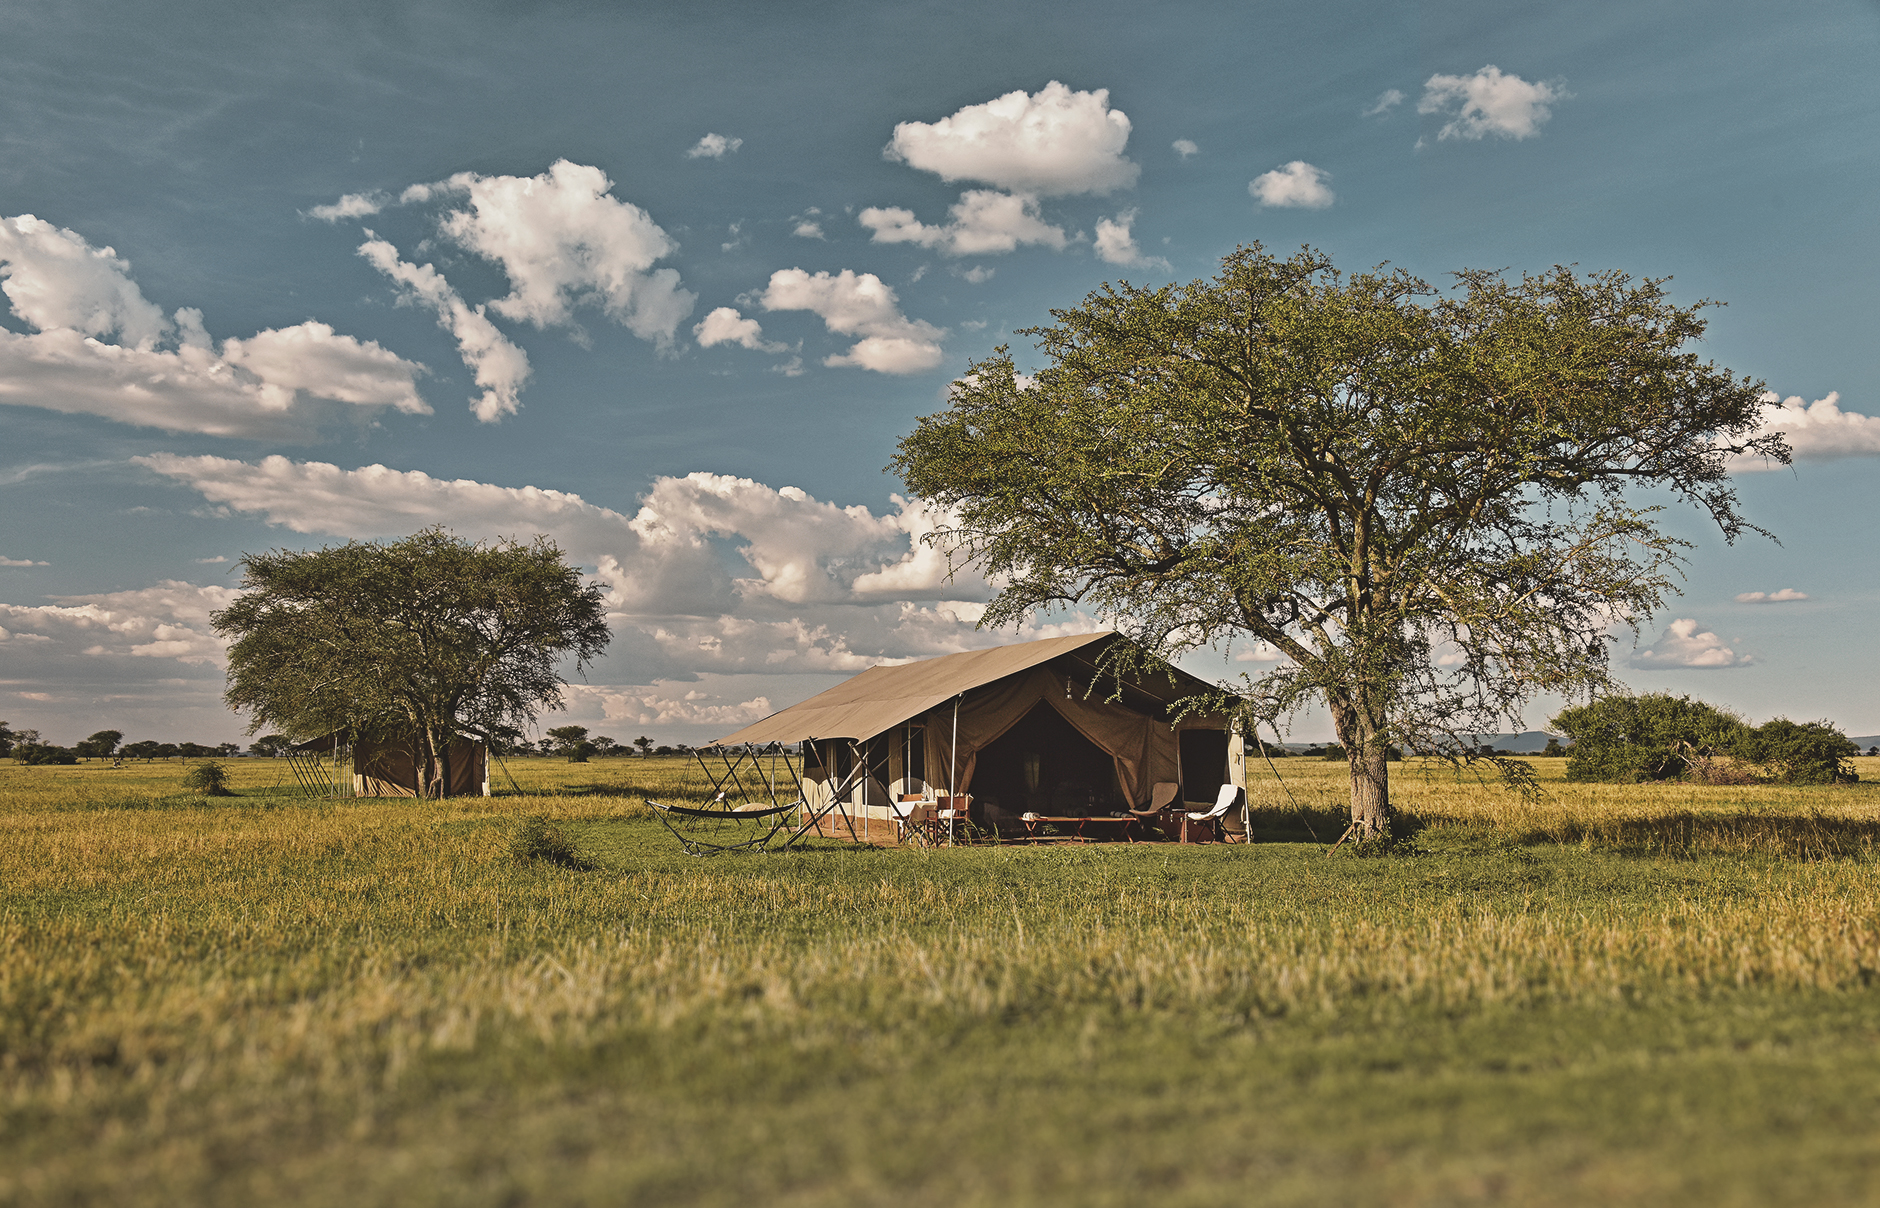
{"points": [[1657, 995]]}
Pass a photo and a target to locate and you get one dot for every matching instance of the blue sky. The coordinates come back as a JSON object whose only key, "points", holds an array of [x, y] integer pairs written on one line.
{"points": [[671, 285]]}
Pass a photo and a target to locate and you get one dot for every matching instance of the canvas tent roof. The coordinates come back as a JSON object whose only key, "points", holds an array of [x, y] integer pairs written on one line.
{"points": [[882, 697]]}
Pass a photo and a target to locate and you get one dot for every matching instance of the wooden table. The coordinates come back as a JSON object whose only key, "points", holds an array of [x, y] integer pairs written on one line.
{"points": [[1034, 821]]}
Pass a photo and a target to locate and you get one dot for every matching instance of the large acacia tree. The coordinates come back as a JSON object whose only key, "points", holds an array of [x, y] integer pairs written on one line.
{"points": [[428, 639], [1422, 502]]}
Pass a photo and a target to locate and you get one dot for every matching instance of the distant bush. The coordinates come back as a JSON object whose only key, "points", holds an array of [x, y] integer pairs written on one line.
{"points": [[1801, 752], [536, 838], [1657, 736], [208, 778], [40, 754]]}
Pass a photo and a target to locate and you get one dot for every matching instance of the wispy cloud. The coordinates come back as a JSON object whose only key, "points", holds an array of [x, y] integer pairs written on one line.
{"points": [[1785, 596], [1387, 100], [714, 146]]}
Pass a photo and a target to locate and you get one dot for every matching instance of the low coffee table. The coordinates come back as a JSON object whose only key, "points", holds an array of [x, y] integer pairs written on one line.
{"points": [[1034, 821]]}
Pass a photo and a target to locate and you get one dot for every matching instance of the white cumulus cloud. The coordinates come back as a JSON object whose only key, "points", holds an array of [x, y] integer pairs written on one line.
{"points": [[312, 357], [1682, 644], [1489, 102], [1053, 142], [1116, 245], [726, 326], [563, 241], [714, 146], [983, 222], [53, 279], [1785, 596], [168, 373], [666, 703], [167, 621], [1817, 431], [1297, 184], [1185, 147], [859, 304], [499, 366]]}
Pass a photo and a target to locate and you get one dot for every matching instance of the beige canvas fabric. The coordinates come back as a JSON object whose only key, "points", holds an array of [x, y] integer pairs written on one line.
{"points": [[883, 697]]}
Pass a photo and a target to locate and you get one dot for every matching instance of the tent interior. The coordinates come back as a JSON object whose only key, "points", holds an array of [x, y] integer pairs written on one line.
{"points": [[1043, 765]]}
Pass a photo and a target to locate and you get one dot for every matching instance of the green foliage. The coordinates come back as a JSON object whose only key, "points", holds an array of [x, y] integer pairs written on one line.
{"points": [[6, 738], [1657, 736], [1801, 752], [432, 636], [1553, 749], [209, 778], [571, 741], [100, 745], [536, 838], [1628, 739], [1419, 498], [42, 754], [270, 745]]}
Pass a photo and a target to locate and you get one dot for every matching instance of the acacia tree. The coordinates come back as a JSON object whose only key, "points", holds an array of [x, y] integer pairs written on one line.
{"points": [[432, 637], [1417, 501]]}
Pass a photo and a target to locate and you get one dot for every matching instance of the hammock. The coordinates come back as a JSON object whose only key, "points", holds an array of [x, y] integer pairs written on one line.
{"points": [[733, 826]]}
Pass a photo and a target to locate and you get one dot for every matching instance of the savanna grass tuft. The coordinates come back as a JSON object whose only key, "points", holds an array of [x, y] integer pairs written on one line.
{"points": [[537, 839], [208, 778]]}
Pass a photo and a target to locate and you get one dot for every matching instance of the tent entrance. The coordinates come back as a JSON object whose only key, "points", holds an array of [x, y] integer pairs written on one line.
{"points": [[1204, 764], [1042, 765]]}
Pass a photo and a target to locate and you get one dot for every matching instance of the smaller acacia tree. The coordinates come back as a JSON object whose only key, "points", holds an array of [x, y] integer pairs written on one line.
{"points": [[432, 636]]}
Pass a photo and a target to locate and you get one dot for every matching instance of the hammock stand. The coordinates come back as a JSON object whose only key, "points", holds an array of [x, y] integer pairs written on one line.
{"points": [[729, 824]]}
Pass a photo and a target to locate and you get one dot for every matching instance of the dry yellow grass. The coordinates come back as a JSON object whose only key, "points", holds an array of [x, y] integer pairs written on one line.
{"points": [[171, 968]]}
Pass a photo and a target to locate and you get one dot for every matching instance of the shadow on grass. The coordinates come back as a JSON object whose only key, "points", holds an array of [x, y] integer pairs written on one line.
{"points": [[1812, 836]]}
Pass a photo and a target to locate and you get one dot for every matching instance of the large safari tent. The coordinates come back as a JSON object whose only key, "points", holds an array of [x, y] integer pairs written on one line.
{"points": [[1015, 730]]}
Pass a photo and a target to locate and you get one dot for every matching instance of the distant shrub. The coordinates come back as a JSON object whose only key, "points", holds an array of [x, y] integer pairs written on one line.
{"points": [[1801, 752], [41, 754], [536, 838], [208, 778], [1628, 739]]}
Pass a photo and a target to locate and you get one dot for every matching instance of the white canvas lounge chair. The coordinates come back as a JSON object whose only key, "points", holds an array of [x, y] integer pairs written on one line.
{"points": [[1209, 821]]}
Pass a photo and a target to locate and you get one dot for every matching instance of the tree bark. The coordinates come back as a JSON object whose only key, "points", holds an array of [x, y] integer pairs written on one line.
{"points": [[1367, 753]]}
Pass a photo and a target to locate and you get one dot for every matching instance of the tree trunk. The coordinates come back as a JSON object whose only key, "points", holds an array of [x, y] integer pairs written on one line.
{"points": [[1367, 753]]}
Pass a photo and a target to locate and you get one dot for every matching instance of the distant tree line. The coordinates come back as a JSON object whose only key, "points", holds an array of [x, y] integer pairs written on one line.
{"points": [[574, 744], [27, 747]]}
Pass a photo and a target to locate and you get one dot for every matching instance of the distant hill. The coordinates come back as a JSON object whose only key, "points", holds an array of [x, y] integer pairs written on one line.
{"points": [[1531, 742]]}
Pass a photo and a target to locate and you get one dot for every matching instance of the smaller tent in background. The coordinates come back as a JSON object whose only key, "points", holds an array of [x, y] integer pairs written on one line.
{"points": [[1016, 728], [335, 765]]}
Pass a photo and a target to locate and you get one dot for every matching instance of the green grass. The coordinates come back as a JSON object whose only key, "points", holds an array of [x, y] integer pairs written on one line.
{"points": [[1648, 995]]}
